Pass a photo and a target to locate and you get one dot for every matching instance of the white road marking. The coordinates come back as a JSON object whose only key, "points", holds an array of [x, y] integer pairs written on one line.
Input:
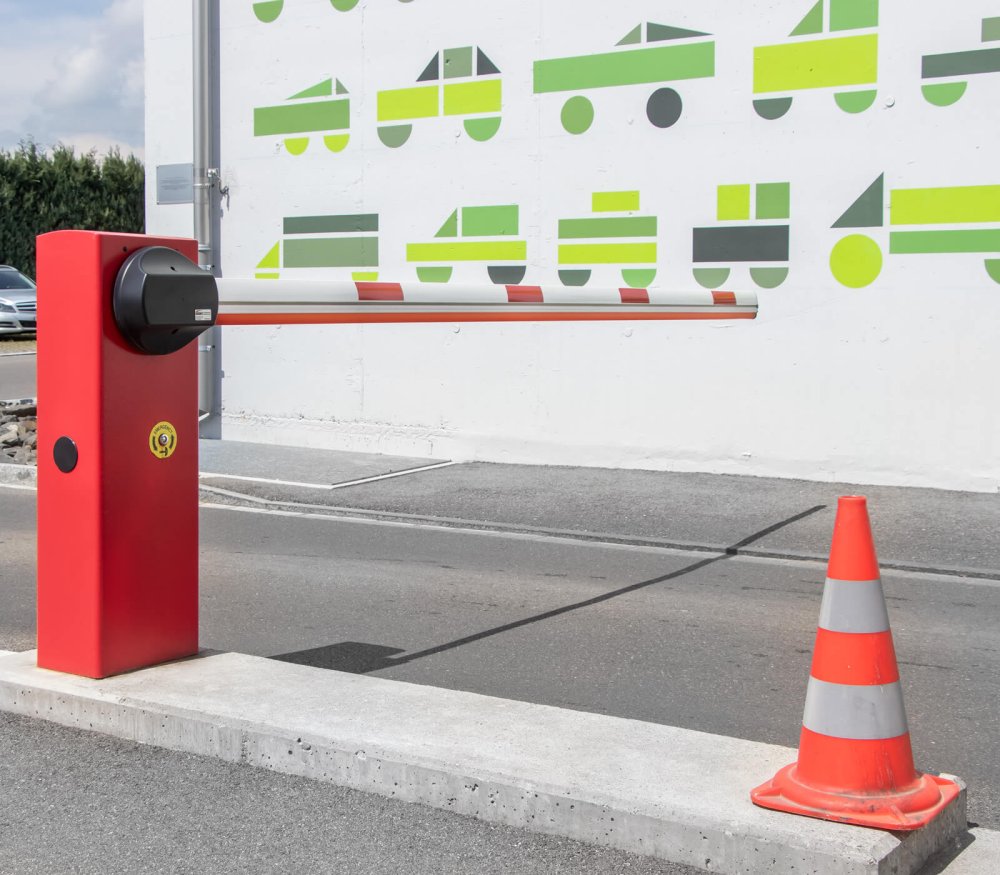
{"points": [[327, 486], [563, 539], [4, 355], [338, 515], [438, 527]]}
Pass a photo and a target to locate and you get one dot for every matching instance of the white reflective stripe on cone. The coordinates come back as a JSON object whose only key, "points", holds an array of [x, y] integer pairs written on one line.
{"points": [[853, 606], [852, 711]]}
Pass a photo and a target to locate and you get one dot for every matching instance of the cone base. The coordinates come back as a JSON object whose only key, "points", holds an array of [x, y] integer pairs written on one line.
{"points": [[899, 811]]}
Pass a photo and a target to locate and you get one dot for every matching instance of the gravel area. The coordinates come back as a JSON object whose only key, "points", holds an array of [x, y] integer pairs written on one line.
{"points": [[19, 433], [26, 343]]}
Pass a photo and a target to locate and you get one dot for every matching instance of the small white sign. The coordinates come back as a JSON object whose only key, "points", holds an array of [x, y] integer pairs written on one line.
{"points": [[202, 315]]}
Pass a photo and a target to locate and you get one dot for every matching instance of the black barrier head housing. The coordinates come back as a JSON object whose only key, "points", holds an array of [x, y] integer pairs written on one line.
{"points": [[162, 300]]}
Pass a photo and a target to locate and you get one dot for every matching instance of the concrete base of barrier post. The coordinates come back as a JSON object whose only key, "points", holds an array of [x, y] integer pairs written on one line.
{"points": [[657, 790]]}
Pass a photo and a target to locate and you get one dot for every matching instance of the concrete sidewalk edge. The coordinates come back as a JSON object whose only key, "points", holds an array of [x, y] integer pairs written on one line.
{"points": [[656, 790], [11, 472]]}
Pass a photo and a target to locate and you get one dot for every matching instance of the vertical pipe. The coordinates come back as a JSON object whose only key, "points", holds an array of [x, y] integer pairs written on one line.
{"points": [[205, 178]]}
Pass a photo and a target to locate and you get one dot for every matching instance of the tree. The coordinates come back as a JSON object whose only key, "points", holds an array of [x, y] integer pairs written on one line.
{"points": [[51, 191]]}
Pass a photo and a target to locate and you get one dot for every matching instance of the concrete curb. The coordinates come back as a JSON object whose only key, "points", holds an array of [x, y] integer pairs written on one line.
{"points": [[670, 793], [26, 475]]}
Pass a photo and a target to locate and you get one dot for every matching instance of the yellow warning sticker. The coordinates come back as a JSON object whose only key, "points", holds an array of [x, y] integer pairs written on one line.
{"points": [[163, 440]]}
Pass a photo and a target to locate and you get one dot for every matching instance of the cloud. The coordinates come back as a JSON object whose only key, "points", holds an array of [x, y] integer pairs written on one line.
{"points": [[73, 76]]}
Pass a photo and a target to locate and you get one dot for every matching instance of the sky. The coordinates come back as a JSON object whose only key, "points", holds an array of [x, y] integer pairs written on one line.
{"points": [[71, 71]]}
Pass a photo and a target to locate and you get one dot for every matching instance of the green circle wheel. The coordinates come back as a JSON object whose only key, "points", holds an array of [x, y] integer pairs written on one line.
{"points": [[856, 261], [577, 114]]}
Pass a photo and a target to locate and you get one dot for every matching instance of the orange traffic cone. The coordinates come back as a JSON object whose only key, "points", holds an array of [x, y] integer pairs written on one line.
{"points": [[855, 763]]}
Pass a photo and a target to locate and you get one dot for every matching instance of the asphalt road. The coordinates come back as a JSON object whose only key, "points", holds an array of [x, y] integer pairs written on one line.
{"points": [[17, 372], [84, 803], [705, 642]]}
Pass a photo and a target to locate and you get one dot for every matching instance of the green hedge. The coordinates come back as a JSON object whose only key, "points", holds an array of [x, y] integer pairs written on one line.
{"points": [[50, 191]]}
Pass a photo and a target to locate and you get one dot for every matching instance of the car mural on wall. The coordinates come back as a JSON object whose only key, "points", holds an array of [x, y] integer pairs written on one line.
{"points": [[949, 71], [344, 241], [269, 10], [323, 109], [461, 82], [924, 221], [649, 54], [480, 234], [834, 47], [612, 235], [760, 242]]}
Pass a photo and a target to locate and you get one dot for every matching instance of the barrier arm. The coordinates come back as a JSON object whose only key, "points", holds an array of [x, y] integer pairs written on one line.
{"points": [[277, 302]]}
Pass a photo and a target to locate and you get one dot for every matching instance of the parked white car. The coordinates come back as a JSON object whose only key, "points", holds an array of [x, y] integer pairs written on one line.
{"points": [[17, 302]]}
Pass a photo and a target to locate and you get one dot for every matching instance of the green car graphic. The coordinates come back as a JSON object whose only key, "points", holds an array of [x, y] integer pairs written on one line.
{"points": [[269, 10], [953, 67], [762, 245], [313, 111], [338, 241], [457, 82], [846, 62], [614, 236], [649, 54], [926, 220], [474, 234]]}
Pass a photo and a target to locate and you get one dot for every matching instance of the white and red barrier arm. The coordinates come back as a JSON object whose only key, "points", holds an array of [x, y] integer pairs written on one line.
{"points": [[273, 302]]}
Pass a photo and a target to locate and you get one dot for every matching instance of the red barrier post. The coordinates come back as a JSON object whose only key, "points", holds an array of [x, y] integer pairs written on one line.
{"points": [[117, 471]]}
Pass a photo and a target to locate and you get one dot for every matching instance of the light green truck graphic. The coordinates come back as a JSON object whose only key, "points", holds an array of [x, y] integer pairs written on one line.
{"points": [[269, 10], [924, 221], [948, 72], [649, 54], [762, 244], [614, 235], [460, 82], [485, 234], [316, 110], [348, 242], [846, 60]]}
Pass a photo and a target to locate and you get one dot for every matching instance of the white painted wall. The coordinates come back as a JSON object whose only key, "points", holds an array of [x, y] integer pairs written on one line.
{"points": [[891, 384]]}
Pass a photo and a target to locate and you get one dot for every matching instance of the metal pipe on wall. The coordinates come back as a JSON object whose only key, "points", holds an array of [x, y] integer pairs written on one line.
{"points": [[206, 176]]}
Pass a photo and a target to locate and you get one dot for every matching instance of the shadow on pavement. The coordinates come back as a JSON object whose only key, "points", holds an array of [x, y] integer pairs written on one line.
{"points": [[361, 658]]}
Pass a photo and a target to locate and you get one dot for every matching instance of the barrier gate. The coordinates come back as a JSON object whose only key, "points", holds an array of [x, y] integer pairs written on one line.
{"points": [[118, 434]]}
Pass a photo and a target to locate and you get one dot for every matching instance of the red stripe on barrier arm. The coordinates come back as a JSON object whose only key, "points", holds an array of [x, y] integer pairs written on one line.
{"points": [[635, 296], [458, 316], [724, 298], [856, 658], [525, 295], [379, 291]]}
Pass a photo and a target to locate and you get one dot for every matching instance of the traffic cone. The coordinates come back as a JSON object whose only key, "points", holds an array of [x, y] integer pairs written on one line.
{"points": [[855, 763]]}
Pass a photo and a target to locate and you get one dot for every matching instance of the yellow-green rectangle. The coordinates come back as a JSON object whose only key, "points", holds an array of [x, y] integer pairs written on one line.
{"points": [[607, 253], [615, 201], [493, 221], [636, 66], [853, 14], [944, 242], [500, 250], [617, 226], [827, 63], [402, 104], [943, 206], [465, 98], [733, 203]]}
